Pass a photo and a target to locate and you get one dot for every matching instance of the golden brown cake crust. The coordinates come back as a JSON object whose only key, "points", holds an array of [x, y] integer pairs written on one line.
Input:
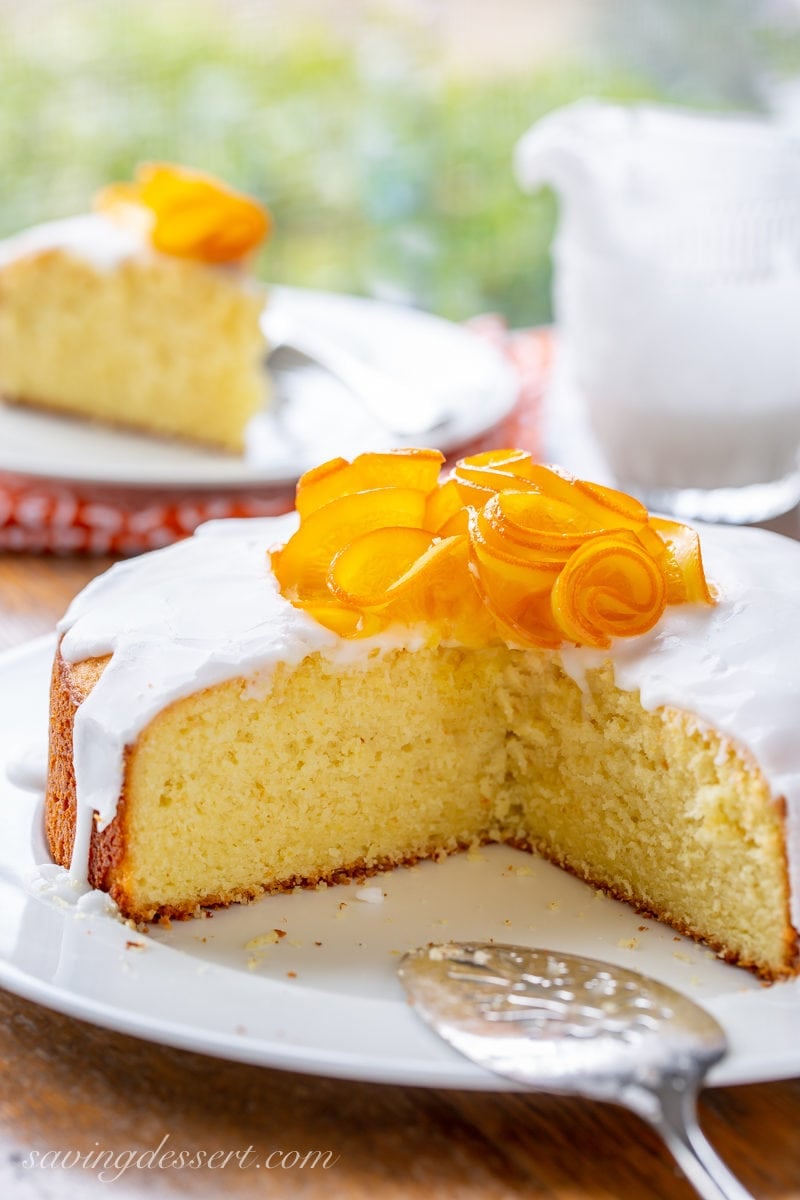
{"points": [[69, 687]]}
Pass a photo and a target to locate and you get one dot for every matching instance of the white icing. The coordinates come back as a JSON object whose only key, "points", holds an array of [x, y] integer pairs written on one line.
{"points": [[208, 609], [52, 881], [65, 891], [95, 239], [104, 244]]}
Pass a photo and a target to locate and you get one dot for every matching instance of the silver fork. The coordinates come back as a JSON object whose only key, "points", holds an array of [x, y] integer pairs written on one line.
{"points": [[575, 1026]]}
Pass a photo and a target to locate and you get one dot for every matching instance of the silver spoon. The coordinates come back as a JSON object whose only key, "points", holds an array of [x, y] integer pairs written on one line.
{"points": [[571, 1025], [402, 408]]}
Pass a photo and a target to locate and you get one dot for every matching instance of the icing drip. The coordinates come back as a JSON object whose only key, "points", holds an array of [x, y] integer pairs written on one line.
{"points": [[208, 609]]}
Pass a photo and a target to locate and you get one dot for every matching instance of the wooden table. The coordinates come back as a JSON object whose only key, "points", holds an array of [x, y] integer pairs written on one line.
{"points": [[65, 1085]]}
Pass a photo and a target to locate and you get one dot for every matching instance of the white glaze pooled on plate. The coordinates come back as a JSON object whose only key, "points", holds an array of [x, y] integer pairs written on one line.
{"points": [[208, 609]]}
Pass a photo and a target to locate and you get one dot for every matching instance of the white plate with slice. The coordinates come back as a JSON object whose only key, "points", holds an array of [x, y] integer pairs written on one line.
{"points": [[324, 997], [469, 385]]}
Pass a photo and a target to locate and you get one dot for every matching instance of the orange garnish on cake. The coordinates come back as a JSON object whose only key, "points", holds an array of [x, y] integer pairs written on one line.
{"points": [[503, 549], [188, 214]]}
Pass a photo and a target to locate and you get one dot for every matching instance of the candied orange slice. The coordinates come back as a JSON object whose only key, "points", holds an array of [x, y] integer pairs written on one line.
{"points": [[683, 566], [445, 514], [533, 574], [610, 587], [531, 626], [517, 591], [475, 495], [302, 565], [479, 476], [509, 471], [364, 572], [608, 507], [485, 525], [402, 468], [509, 458], [193, 215], [320, 485], [443, 504], [411, 578], [347, 622], [393, 468], [440, 592], [650, 541], [619, 508], [497, 462], [476, 485], [424, 577], [540, 523], [458, 523]]}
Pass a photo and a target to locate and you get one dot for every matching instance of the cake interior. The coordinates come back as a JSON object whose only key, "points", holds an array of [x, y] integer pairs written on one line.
{"points": [[321, 771], [168, 346]]}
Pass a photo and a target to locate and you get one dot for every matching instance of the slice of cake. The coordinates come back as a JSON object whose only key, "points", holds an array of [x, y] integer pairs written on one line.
{"points": [[413, 666], [142, 314]]}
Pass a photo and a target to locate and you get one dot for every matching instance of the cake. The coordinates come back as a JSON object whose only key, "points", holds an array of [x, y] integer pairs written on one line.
{"points": [[407, 667], [142, 313]]}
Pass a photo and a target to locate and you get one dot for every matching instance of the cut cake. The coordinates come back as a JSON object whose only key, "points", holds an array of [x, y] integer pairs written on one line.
{"points": [[213, 738]]}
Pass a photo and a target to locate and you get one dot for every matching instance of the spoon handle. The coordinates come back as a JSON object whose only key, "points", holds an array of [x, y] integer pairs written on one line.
{"points": [[675, 1118]]}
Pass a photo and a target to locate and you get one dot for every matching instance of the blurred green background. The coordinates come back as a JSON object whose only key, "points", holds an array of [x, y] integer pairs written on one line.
{"points": [[380, 135]]}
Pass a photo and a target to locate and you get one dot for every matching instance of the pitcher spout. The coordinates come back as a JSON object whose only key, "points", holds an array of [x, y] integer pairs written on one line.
{"points": [[577, 151]]}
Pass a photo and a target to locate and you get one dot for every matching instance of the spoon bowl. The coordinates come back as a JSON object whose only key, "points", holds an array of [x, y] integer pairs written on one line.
{"points": [[570, 1025]]}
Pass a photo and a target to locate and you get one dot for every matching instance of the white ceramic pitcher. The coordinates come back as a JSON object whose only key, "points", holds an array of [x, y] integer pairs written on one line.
{"points": [[677, 300]]}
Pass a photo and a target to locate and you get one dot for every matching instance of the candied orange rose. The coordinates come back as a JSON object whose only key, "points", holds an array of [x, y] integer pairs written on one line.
{"points": [[189, 214], [610, 587], [505, 549]]}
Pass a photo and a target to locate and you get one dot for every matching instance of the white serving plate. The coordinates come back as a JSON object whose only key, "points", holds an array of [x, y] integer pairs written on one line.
{"points": [[342, 1012], [314, 417]]}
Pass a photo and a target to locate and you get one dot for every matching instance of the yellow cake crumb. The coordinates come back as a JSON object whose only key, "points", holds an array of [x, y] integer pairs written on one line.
{"points": [[312, 790], [263, 939], [164, 345]]}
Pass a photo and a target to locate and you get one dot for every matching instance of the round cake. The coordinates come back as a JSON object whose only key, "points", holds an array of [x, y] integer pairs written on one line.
{"points": [[141, 314], [408, 666]]}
